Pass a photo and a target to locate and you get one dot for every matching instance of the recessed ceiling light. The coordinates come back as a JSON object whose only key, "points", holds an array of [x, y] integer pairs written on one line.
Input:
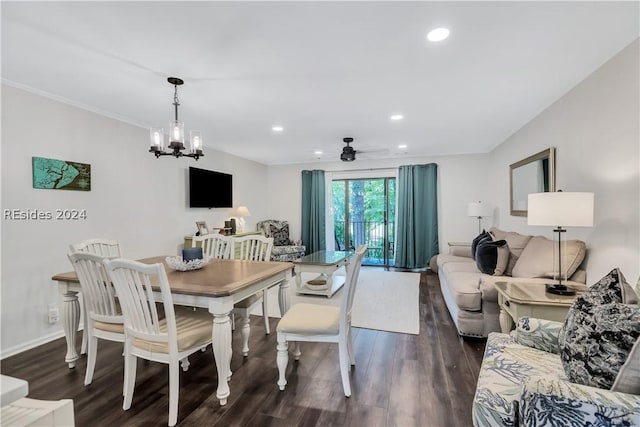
{"points": [[318, 153], [397, 117], [277, 128], [402, 146], [438, 34]]}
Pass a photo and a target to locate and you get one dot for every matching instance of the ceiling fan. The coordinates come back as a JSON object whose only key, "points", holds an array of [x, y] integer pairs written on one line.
{"points": [[349, 153]]}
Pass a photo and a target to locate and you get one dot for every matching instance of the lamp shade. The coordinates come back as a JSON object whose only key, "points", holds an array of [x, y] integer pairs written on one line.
{"points": [[561, 209], [475, 209], [243, 211]]}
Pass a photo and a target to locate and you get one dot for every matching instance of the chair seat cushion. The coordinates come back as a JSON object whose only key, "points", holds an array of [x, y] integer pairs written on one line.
{"points": [[118, 328], [194, 330], [311, 319], [287, 253]]}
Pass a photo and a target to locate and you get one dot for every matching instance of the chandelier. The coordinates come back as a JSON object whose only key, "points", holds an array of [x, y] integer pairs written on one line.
{"points": [[176, 133]]}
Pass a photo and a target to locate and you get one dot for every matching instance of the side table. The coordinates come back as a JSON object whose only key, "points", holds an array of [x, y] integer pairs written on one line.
{"points": [[530, 299], [325, 263]]}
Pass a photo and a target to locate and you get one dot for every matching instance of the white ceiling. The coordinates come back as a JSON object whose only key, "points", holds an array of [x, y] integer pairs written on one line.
{"points": [[322, 70]]}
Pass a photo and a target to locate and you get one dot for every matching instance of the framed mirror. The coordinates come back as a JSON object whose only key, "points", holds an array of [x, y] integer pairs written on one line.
{"points": [[535, 174]]}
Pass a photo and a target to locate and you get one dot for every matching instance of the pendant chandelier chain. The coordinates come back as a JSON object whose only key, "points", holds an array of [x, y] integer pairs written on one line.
{"points": [[176, 101]]}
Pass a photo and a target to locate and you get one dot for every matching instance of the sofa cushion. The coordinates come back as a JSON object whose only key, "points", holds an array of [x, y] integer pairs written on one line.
{"points": [[487, 256], [599, 332], [538, 259], [516, 243], [484, 236], [464, 287]]}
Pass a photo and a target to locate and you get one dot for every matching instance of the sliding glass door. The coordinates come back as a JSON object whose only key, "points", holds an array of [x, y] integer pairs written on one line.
{"points": [[364, 212]]}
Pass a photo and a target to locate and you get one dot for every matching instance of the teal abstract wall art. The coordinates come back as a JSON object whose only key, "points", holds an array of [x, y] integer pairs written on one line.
{"points": [[61, 174]]}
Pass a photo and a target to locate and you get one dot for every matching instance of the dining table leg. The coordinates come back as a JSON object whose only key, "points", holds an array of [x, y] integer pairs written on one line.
{"points": [[221, 340], [71, 321]]}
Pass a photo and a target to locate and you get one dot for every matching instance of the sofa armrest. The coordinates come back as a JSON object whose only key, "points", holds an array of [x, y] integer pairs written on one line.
{"points": [[488, 290], [547, 400], [538, 333], [460, 249]]}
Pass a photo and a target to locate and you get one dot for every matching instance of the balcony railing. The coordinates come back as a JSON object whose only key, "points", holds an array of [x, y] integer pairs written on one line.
{"points": [[372, 234]]}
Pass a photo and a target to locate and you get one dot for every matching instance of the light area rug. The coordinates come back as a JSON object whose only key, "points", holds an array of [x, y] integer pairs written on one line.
{"points": [[384, 300]]}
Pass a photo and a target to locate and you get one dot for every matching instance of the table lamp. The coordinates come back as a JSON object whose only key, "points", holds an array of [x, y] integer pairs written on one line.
{"points": [[241, 212], [560, 209], [475, 209]]}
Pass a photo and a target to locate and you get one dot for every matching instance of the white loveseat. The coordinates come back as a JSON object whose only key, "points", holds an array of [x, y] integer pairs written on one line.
{"points": [[470, 295]]}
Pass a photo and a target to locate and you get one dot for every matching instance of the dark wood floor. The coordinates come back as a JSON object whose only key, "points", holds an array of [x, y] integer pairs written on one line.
{"points": [[399, 380]]}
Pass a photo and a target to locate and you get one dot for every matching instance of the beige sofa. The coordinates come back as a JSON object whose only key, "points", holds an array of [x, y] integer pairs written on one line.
{"points": [[470, 295]]}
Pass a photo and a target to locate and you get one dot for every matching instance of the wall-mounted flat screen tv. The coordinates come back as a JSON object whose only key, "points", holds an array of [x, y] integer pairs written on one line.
{"points": [[210, 189]]}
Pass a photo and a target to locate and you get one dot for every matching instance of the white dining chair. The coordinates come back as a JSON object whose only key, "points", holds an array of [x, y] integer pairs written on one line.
{"points": [[321, 323], [103, 316], [103, 247], [252, 247], [167, 340], [213, 245]]}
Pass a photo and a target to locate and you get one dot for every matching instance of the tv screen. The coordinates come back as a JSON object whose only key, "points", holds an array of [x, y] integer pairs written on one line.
{"points": [[209, 189]]}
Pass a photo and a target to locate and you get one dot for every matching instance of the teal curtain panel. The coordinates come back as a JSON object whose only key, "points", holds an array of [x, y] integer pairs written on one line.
{"points": [[313, 211], [417, 238]]}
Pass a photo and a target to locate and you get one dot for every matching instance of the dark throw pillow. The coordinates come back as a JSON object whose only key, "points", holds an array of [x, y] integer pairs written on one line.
{"points": [[280, 235], [487, 255], [479, 238], [599, 332]]}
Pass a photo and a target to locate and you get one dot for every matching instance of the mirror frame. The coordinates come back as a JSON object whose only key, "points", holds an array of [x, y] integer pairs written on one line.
{"points": [[549, 153]]}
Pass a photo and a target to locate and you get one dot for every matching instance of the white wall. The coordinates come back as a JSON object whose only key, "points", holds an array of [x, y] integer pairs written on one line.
{"points": [[135, 198], [595, 129]]}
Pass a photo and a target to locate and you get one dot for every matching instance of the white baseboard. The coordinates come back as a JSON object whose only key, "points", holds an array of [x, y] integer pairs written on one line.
{"points": [[33, 343]]}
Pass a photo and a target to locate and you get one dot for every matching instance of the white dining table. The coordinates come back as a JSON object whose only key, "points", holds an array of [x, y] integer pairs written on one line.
{"points": [[217, 287]]}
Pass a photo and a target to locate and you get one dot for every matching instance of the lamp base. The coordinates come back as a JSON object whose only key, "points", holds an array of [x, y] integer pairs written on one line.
{"points": [[558, 289]]}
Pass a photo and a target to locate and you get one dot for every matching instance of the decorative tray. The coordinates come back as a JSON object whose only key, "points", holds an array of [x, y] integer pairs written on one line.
{"points": [[317, 284], [176, 263]]}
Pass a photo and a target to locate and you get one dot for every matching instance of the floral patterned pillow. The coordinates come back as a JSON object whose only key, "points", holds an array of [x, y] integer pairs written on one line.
{"points": [[280, 235], [599, 332]]}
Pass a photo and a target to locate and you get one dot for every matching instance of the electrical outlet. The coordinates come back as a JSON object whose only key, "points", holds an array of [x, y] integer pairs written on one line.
{"points": [[54, 313]]}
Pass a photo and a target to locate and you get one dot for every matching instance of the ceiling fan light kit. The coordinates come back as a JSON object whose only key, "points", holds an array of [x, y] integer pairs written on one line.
{"points": [[348, 153], [176, 133]]}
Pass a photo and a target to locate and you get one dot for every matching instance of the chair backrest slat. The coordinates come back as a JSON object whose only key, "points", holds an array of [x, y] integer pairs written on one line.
{"points": [[97, 291], [216, 246], [351, 281], [133, 282], [102, 247], [252, 247]]}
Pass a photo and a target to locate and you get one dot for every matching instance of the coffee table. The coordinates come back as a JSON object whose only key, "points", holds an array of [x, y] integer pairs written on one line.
{"points": [[530, 299], [325, 263]]}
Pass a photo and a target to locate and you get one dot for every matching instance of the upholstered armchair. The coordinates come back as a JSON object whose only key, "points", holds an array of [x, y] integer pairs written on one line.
{"points": [[522, 382], [284, 249]]}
